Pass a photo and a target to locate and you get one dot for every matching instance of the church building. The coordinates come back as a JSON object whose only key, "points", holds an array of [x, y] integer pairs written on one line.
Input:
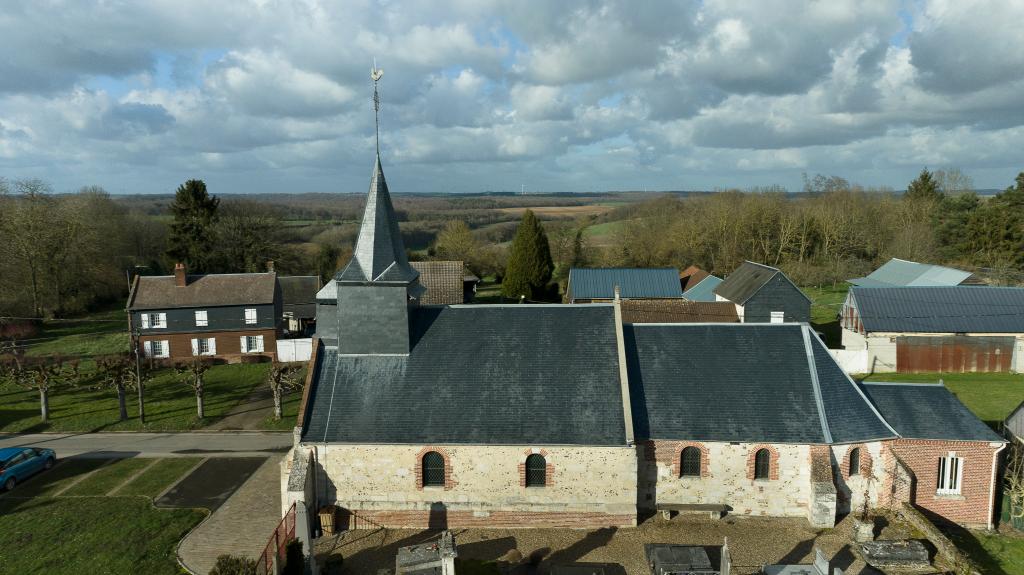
{"points": [[563, 415]]}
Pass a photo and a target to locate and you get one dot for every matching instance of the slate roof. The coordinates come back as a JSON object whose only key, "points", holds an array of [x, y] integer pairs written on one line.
{"points": [[927, 411], [443, 281], [500, 375], [298, 294], [960, 309], [677, 311], [746, 280], [599, 283], [703, 290], [379, 255], [743, 382], [904, 273], [160, 292]]}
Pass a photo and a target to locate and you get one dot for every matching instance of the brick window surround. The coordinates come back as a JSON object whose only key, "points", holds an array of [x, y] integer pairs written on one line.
{"points": [[670, 454], [865, 461], [449, 482], [549, 469], [677, 461], [773, 462]]}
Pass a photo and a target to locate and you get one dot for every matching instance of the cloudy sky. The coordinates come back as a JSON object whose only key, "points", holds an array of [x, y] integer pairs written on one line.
{"points": [[275, 96]]}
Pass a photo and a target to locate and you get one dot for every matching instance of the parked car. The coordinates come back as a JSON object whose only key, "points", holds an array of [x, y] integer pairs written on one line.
{"points": [[20, 463]]}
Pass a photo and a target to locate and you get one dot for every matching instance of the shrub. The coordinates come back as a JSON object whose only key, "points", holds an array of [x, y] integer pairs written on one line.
{"points": [[233, 565]]}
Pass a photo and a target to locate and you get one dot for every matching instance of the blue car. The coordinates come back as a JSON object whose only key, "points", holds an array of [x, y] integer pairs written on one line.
{"points": [[19, 463]]}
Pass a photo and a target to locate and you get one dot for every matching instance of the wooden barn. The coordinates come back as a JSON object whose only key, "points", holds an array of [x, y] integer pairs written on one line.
{"points": [[936, 329]]}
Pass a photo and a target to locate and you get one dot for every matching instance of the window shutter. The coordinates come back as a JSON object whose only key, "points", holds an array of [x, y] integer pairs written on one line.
{"points": [[145, 320], [195, 346], [162, 322], [213, 345], [259, 342], [166, 345], [245, 348], [147, 348]]}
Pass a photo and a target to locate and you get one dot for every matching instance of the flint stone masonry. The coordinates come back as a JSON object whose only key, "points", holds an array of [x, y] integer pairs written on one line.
{"points": [[726, 481], [850, 489], [595, 485]]}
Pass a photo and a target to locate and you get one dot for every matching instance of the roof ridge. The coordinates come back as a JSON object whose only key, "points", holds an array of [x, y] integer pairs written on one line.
{"points": [[815, 385], [860, 392]]}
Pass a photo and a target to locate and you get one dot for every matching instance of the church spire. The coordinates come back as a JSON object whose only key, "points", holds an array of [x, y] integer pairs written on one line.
{"points": [[379, 254]]}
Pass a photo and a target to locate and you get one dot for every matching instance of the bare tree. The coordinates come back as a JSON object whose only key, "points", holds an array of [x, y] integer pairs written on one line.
{"points": [[117, 372], [282, 377], [193, 373], [44, 374]]}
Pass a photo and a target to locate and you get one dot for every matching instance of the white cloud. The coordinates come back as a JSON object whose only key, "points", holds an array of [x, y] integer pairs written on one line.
{"points": [[488, 94]]}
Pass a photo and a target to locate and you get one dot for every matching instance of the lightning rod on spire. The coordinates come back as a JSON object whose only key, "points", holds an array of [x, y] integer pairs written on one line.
{"points": [[375, 75]]}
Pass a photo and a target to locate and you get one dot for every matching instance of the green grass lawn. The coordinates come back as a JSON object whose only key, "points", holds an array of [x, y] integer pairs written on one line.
{"points": [[991, 396], [825, 304], [170, 404], [154, 480], [99, 333], [106, 478], [40, 533], [992, 553]]}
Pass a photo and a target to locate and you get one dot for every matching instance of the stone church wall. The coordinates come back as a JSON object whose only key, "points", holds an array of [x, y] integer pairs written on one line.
{"points": [[484, 486]]}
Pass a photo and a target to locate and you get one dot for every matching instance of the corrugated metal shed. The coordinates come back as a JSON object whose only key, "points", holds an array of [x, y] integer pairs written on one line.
{"points": [[704, 290], [960, 309], [599, 283], [904, 273]]}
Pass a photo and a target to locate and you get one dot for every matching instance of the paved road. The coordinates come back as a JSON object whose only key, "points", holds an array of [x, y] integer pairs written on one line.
{"points": [[219, 444]]}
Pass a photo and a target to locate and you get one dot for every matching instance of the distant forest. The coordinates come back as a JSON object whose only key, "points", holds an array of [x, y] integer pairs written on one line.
{"points": [[64, 254]]}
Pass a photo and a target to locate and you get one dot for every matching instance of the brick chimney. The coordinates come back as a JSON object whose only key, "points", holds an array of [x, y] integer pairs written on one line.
{"points": [[270, 265], [180, 279]]}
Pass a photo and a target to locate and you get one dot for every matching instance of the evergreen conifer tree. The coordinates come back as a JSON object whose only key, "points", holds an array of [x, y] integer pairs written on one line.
{"points": [[192, 234], [529, 262], [924, 188]]}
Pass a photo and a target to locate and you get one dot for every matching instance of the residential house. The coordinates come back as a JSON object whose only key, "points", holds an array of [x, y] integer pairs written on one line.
{"points": [[564, 415], [904, 273], [936, 329], [677, 311], [592, 285], [949, 458], [224, 316], [764, 294], [445, 282], [298, 304]]}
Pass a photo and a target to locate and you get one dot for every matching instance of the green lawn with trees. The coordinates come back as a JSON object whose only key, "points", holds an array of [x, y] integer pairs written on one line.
{"points": [[84, 529], [170, 403]]}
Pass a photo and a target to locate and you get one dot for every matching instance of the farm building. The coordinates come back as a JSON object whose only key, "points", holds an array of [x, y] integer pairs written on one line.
{"points": [[298, 301], [224, 316], [764, 294], [677, 311], [566, 416], [1013, 425], [592, 285], [698, 285], [935, 329], [446, 282], [904, 273]]}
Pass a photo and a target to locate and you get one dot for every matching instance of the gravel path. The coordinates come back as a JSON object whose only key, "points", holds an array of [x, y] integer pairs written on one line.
{"points": [[753, 541]]}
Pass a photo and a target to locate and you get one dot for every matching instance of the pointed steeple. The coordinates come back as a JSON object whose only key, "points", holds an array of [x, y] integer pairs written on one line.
{"points": [[379, 254]]}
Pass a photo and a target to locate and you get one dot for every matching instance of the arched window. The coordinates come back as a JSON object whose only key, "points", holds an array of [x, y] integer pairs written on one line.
{"points": [[855, 461], [433, 469], [536, 470], [762, 464], [689, 462]]}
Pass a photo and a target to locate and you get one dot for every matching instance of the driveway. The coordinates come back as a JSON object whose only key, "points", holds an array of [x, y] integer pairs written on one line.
{"points": [[241, 524], [129, 444], [212, 483]]}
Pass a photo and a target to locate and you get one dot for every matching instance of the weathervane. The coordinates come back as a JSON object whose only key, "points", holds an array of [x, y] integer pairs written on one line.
{"points": [[375, 75]]}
